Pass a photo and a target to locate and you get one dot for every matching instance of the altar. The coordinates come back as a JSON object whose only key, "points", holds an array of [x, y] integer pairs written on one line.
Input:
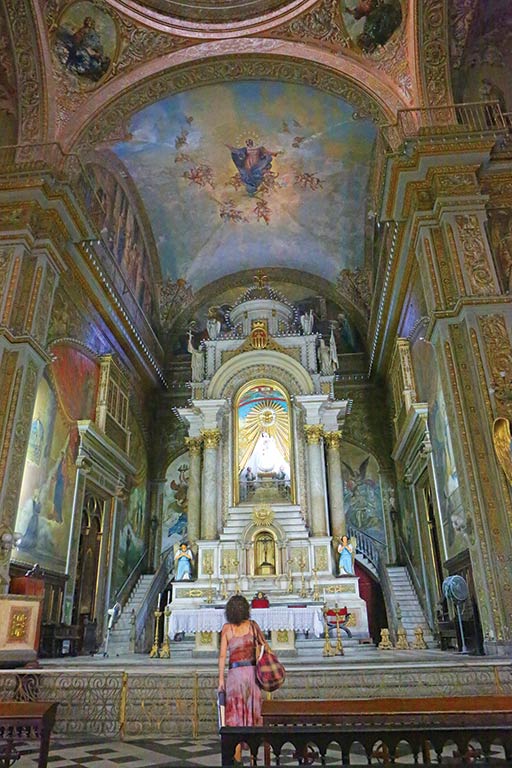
{"points": [[283, 622], [265, 509]]}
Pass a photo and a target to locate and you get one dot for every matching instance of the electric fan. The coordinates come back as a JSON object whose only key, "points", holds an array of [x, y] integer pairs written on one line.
{"points": [[456, 589]]}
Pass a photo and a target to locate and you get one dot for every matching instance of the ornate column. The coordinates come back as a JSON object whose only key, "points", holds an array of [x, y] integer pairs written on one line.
{"points": [[211, 441], [314, 434], [332, 442], [194, 445]]}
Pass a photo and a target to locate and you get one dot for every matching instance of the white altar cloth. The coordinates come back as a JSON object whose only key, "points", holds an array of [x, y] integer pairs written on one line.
{"points": [[281, 617]]}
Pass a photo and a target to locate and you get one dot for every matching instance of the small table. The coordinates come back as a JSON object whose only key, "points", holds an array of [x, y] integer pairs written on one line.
{"points": [[28, 715]]}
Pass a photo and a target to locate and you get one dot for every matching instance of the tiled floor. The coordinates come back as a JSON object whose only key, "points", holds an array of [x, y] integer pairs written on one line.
{"points": [[161, 752]]}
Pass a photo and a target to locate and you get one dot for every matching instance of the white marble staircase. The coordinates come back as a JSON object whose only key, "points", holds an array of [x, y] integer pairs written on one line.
{"points": [[412, 612], [119, 643], [289, 518]]}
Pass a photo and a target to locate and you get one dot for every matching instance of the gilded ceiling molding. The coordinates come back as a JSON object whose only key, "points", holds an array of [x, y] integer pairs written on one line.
{"points": [[433, 53], [32, 94], [103, 118]]}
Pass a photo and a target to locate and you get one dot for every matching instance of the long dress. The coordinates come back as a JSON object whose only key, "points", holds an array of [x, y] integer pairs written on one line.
{"points": [[243, 697]]}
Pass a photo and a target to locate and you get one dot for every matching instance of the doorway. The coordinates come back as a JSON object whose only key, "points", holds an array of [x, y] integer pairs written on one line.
{"points": [[88, 566]]}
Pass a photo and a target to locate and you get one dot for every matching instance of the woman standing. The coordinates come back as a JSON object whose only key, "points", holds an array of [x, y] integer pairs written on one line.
{"points": [[243, 697]]}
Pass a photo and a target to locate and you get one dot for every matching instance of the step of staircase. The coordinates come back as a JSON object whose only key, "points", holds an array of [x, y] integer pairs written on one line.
{"points": [[119, 642], [410, 606]]}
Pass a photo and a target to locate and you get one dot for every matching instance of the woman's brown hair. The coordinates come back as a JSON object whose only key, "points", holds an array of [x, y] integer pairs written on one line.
{"points": [[237, 609]]}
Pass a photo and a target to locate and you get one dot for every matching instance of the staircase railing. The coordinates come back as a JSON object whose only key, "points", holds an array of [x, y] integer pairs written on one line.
{"points": [[125, 590], [377, 553], [419, 589], [145, 618]]}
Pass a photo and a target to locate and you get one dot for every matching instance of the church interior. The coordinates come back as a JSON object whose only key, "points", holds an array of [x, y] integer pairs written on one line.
{"points": [[255, 338]]}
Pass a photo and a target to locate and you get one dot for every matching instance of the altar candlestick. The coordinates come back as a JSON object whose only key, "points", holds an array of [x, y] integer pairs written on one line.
{"points": [[169, 597], [159, 600]]}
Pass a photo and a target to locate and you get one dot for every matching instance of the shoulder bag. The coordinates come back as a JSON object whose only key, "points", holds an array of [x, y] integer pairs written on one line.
{"points": [[270, 673]]}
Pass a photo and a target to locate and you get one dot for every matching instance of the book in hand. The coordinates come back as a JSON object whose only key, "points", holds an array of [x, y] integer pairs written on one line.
{"points": [[221, 708]]}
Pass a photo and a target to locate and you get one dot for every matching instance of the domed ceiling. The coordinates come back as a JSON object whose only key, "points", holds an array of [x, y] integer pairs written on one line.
{"points": [[251, 175]]}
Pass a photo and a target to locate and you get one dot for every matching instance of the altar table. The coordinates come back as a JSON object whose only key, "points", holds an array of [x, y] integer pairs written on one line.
{"points": [[281, 621]]}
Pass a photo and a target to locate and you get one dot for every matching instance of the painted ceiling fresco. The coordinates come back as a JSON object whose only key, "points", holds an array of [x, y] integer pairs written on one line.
{"points": [[248, 175]]}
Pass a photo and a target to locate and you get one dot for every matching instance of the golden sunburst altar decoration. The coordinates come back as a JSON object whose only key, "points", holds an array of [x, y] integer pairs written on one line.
{"points": [[266, 416], [262, 515]]}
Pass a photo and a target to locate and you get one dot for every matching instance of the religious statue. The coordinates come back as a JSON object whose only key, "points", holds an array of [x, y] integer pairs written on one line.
{"points": [[197, 360], [307, 322], [213, 324], [324, 359], [267, 458], [333, 352], [264, 554], [183, 562], [345, 562]]}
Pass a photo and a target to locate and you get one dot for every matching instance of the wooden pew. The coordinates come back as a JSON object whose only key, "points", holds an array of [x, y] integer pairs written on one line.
{"points": [[20, 718], [423, 723]]}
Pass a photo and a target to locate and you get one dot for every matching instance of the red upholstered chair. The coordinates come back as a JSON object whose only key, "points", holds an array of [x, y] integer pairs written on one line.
{"points": [[343, 617], [259, 602]]}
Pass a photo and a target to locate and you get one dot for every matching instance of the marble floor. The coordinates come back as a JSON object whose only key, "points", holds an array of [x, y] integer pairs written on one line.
{"points": [[161, 752]]}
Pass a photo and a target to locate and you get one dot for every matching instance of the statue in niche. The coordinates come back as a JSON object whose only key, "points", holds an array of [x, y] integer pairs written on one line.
{"points": [[346, 557], [265, 554], [307, 322], [183, 562], [324, 359], [213, 324], [197, 360]]}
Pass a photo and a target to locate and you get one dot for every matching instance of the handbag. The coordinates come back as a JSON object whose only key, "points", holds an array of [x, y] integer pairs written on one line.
{"points": [[270, 673]]}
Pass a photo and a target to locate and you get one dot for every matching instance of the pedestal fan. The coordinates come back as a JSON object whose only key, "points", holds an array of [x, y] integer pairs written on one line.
{"points": [[456, 589]]}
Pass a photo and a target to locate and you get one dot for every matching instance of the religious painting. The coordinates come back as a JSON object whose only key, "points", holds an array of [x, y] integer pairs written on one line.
{"points": [[85, 41], [263, 443], [66, 393], [276, 172], [131, 520], [362, 495], [453, 517], [502, 439], [175, 502], [481, 51], [371, 23], [117, 219]]}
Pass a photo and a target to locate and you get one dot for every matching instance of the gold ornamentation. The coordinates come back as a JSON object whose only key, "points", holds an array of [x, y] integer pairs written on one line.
{"points": [[475, 254], [191, 593], [333, 439], [385, 642], [194, 445], [259, 337], [334, 588], [18, 625], [402, 644], [313, 433], [499, 354], [205, 637], [282, 636], [320, 558], [502, 442], [352, 620], [155, 650], [434, 67], [419, 643], [262, 515], [211, 437]]}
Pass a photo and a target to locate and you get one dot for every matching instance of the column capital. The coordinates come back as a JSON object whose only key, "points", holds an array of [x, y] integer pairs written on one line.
{"points": [[211, 437], [313, 433], [194, 445], [333, 439]]}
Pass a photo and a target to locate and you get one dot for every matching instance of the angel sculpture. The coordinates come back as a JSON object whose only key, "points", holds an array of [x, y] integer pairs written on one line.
{"points": [[502, 444]]}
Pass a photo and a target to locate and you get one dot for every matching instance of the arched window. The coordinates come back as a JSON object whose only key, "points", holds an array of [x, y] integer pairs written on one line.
{"points": [[263, 456]]}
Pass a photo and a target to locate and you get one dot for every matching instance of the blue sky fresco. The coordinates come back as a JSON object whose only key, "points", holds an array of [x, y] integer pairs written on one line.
{"points": [[307, 208]]}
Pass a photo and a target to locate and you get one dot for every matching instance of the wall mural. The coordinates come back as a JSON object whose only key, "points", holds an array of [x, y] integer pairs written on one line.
{"points": [[481, 51], [274, 171], [85, 41], [8, 105], [131, 518], [66, 393], [361, 491], [430, 390], [175, 502], [370, 23]]}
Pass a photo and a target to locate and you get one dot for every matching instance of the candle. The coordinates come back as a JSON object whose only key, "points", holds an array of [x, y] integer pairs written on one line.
{"points": [[159, 601], [169, 597]]}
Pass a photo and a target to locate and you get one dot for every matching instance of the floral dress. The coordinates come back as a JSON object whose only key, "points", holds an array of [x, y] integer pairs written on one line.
{"points": [[243, 696]]}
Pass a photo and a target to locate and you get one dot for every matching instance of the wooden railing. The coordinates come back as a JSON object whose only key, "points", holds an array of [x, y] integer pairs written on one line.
{"points": [[425, 724]]}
